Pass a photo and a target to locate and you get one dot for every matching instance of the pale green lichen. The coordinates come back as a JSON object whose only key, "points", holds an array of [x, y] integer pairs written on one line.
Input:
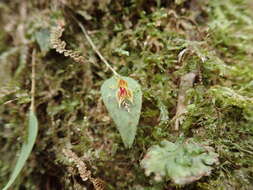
{"points": [[181, 162]]}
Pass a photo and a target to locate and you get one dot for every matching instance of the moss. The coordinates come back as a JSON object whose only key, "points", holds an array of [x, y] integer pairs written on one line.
{"points": [[154, 42]]}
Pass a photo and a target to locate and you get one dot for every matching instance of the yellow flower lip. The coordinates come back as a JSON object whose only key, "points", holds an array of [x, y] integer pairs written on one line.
{"points": [[122, 83], [123, 92]]}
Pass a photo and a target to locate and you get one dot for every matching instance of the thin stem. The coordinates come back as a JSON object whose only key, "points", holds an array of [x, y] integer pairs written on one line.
{"points": [[33, 82], [95, 48]]}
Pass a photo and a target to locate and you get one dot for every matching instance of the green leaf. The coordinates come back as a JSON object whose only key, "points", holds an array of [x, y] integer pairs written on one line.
{"points": [[126, 119], [26, 149], [43, 39], [181, 162]]}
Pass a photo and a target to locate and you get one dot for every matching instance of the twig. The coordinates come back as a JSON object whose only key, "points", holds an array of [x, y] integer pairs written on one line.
{"points": [[33, 81], [95, 48], [186, 82], [9, 101]]}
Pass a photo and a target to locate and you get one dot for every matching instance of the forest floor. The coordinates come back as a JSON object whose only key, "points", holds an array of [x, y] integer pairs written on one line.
{"points": [[158, 43]]}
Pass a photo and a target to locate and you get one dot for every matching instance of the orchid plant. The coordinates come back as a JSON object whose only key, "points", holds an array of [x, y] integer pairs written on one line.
{"points": [[122, 97]]}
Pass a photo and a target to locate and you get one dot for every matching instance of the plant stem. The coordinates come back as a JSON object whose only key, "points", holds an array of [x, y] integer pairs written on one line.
{"points": [[33, 82], [95, 48]]}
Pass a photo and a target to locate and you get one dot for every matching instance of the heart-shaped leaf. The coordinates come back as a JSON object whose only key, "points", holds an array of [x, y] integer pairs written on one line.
{"points": [[123, 98]]}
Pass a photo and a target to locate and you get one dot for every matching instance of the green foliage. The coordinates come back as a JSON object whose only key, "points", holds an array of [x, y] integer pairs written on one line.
{"points": [[181, 162], [155, 42], [43, 39], [126, 118], [25, 150], [230, 97]]}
